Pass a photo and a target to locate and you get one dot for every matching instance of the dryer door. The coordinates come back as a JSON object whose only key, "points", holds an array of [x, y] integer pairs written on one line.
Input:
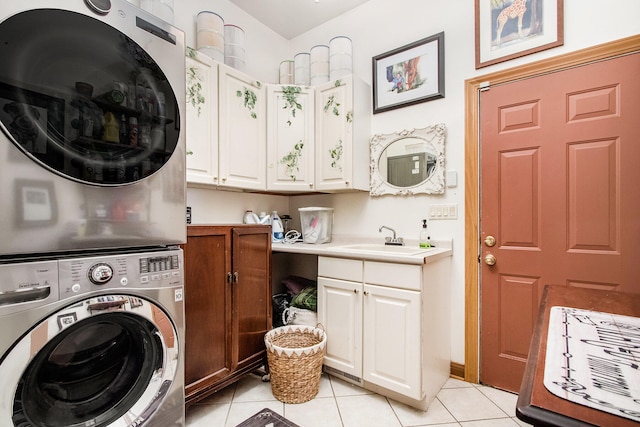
{"points": [[106, 361], [83, 99]]}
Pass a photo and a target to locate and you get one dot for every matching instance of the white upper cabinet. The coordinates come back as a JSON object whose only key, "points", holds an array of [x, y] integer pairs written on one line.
{"points": [[267, 137], [202, 118], [242, 130], [343, 110], [290, 138]]}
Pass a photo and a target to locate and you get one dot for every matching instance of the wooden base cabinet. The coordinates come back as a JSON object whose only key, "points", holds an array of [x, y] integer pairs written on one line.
{"points": [[387, 326], [227, 305]]}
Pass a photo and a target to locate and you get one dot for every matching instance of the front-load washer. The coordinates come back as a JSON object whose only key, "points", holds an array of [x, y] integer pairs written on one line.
{"points": [[93, 340]]}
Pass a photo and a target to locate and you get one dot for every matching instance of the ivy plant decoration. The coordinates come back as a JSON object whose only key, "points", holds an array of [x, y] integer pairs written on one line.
{"points": [[290, 161], [194, 85], [336, 156], [290, 94], [332, 105], [249, 98]]}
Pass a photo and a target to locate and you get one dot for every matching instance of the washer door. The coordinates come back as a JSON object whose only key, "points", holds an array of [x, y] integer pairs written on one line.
{"points": [[107, 361]]}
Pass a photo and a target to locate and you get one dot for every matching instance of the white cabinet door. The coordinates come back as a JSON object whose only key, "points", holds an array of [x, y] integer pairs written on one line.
{"points": [[342, 135], [202, 119], [392, 339], [242, 135], [340, 312], [290, 139]]}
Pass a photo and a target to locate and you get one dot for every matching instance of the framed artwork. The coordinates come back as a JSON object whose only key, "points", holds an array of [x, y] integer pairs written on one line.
{"points": [[35, 203], [409, 74], [507, 29]]}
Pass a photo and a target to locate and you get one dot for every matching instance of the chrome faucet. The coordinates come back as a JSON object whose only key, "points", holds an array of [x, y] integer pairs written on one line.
{"points": [[395, 241]]}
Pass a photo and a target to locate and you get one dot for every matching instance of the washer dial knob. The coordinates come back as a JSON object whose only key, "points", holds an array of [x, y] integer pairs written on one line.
{"points": [[100, 273]]}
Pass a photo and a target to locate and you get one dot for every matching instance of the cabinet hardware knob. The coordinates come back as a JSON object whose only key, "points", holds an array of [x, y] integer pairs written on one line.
{"points": [[366, 293], [355, 291], [235, 277], [229, 277], [490, 241], [224, 179], [490, 259]]}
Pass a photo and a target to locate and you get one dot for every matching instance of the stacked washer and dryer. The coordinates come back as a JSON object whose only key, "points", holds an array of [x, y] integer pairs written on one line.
{"points": [[92, 191]]}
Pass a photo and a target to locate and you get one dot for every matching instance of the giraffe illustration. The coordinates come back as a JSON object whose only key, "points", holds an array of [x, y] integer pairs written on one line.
{"points": [[517, 9]]}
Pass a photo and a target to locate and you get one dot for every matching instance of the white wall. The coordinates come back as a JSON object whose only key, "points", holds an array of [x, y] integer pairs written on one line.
{"points": [[377, 27]]}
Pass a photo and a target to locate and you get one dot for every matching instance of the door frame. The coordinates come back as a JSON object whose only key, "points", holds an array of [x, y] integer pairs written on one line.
{"points": [[471, 180]]}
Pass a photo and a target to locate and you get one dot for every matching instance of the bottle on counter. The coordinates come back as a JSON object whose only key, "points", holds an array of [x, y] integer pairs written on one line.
{"points": [[277, 230], [250, 217], [424, 241], [264, 218]]}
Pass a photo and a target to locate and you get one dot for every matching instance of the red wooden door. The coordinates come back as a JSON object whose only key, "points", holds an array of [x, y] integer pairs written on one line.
{"points": [[560, 193]]}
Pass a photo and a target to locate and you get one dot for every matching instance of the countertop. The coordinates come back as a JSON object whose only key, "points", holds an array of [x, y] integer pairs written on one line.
{"points": [[442, 249]]}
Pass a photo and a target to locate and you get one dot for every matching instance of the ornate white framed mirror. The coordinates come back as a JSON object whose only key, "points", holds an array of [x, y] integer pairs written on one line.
{"points": [[408, 162]]}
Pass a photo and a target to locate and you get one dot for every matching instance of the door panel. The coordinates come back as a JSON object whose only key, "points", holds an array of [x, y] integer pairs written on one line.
{"points": [[392, 345], [251, 292], [340, 312], [559, 193], [207, 297]]}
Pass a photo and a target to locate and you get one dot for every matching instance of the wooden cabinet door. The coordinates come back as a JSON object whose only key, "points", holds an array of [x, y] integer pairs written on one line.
{"points": [[243, 132], [202, 119], [340, 312], [392, 339], [208, 355], [290, 139], [251, 270]]}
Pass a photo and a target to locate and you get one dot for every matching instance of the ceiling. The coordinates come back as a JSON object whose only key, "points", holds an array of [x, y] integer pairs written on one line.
{"points": [[290, 18]]}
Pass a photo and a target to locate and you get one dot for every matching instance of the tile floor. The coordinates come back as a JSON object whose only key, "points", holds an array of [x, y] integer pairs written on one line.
{"points": [[340, 404]]}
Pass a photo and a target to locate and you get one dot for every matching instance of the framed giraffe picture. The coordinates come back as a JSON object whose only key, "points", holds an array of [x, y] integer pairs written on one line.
{"points": [[507, 29]]}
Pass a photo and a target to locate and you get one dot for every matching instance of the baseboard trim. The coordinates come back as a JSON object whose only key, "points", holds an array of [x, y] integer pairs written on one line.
{"points": [[457, 371]]}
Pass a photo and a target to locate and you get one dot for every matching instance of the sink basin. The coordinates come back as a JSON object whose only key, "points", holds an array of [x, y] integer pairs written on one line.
{"points": [[382, 248]]}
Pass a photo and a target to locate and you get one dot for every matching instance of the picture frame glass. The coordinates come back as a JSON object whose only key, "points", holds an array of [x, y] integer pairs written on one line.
{"points": [[508, 29], [409, 75], [425, 59]]}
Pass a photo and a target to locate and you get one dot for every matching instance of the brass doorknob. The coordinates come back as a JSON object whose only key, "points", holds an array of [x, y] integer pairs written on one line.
{"points": [[490, 241], [490, 259]]}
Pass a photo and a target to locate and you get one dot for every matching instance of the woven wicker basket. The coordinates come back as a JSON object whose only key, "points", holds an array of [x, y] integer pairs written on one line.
{"points": [[295, 355]]}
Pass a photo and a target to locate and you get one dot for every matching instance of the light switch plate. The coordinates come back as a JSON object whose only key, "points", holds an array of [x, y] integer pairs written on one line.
{"points": [[443, 211]]}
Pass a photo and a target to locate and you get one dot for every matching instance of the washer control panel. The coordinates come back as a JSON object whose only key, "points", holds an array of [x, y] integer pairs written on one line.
{"points": [[121, 271]]}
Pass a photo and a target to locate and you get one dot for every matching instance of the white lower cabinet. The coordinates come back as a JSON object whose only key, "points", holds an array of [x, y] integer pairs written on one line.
{"points": [[387, 330], [340, 312], [391, 337]]}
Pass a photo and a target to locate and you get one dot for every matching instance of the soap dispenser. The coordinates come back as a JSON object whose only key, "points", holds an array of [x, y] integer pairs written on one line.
{"points": [[424, 240]]}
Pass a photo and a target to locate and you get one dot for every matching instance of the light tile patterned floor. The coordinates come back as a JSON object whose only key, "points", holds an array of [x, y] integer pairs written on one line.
{"points": [[340, 404]]}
